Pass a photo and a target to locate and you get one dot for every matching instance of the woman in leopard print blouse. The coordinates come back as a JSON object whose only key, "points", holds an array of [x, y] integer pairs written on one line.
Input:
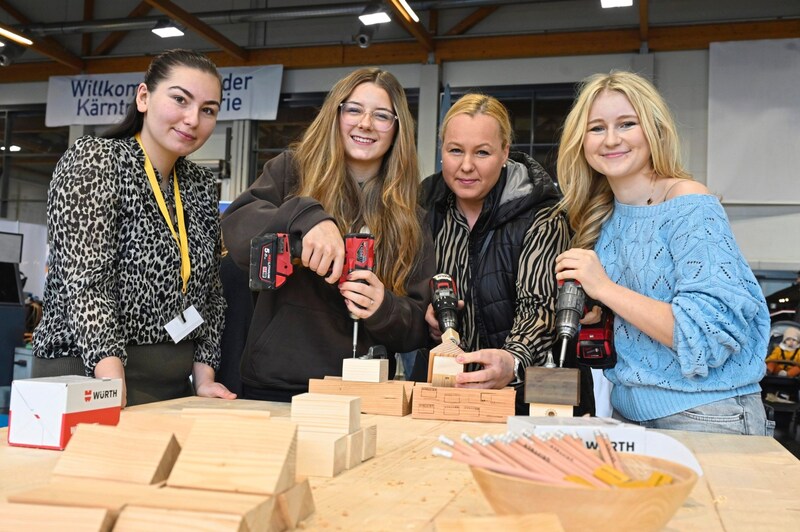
{"points": [[116, 271]]}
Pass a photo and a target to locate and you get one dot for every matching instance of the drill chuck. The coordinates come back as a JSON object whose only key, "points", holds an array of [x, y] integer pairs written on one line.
{"points": [[569, 309], [444, 299]]}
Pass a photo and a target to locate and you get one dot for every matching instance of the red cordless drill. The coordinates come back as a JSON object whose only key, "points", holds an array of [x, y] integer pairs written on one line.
{"points": [[359, 254]]}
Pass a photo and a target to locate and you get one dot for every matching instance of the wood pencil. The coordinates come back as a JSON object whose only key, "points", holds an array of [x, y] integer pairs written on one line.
{"points": [[499, 468]]}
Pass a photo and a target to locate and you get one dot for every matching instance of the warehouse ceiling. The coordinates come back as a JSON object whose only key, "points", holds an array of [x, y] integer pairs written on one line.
{"points": [[98, 36]]}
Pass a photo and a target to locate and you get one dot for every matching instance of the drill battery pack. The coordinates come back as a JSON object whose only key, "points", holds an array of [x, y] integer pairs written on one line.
{"points": [[271, 258], [596, 342]]}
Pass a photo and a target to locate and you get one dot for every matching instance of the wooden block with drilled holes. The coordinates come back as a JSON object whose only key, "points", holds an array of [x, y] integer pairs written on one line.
{"points": [[371, 370], [239, 454], [321, 454], [549, 410], [554, 386], [113, 453], [462, 404], [390, 398], [337, 414], [355, 449], [295, 504], [61, 518], [370, 442]]}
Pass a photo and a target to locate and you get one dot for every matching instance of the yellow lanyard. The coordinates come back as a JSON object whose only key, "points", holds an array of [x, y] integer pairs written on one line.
{"points": [[180, 236]]}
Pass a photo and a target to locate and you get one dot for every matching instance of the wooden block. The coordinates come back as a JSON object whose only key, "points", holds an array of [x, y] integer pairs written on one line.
{"points": [[143, 519], [238, 454], [295, 504], [113, 453], [546, 410], [321, 454], [559, 386], [134, 420], [256, 511], [370, 442], [444, 370], [462, 404], [371, 370], [390, 398], [253, 512], [77, 492], [354, 454], [442, 365], [337, 414], [543, 522], [32, 517]]}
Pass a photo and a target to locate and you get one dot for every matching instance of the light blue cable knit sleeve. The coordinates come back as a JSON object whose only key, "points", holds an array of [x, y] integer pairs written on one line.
{"points": [[719, 307]]}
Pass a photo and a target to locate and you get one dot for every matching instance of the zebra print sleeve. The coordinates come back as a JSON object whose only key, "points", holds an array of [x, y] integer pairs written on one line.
{"points": [[533, 332]]}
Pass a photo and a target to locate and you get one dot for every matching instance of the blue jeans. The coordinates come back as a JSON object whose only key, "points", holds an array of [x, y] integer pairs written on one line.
{"points": [[738, 415]]}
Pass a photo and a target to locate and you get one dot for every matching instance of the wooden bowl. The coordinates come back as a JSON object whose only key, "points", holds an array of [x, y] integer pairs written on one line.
{"points": [[583, 508]]}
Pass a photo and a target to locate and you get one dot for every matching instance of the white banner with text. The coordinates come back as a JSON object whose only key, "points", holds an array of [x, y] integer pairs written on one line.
{"points": [[247, 93]]}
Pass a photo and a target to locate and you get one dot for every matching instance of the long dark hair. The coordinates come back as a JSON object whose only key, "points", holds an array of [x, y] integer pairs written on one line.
{"points": [[159, 69]]}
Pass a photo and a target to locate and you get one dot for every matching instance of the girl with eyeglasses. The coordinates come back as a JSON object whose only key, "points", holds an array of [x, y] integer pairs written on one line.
{"points": [[354, 170]]}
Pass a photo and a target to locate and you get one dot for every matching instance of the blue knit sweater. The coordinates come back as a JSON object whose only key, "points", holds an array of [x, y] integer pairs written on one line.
{"points": [[683, 252]]}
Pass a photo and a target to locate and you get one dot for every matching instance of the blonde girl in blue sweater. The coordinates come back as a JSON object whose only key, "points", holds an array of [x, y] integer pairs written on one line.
{"points": [[653, 245]]}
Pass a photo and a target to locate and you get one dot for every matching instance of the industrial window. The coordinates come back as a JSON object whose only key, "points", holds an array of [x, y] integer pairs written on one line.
{"points": [[29, 152]]}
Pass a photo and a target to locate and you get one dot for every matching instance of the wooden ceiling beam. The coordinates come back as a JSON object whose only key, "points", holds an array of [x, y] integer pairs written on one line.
{"points": [[698, 37], [179, 14], [471, 20], [46, 46], [413, 27], [644, 20], [115, 37], [454, 49], [539, 45], [86, 38]]}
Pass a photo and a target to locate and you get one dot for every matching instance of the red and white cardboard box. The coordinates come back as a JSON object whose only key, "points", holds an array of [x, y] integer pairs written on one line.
{"points": [[43, 412]]}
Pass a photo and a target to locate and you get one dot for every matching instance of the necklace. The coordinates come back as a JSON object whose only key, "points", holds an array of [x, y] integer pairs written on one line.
{"points": [[652, 192]]}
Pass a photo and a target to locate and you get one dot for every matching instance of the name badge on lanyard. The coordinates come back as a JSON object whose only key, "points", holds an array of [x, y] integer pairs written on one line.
{"points": [[190, 319]]}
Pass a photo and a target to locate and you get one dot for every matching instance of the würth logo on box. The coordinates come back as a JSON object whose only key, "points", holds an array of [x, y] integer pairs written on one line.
{"points": [[88, 395]]}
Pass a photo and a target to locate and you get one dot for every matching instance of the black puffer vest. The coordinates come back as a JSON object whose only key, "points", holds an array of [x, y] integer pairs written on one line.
{"points": [[496, 239]]}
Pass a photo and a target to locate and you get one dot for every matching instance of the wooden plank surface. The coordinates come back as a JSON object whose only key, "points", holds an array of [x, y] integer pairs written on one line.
{"points": [[748, 484]]}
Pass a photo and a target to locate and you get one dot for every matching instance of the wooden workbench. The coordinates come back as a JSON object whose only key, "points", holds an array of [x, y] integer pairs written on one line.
{"points": [[750, 482]]}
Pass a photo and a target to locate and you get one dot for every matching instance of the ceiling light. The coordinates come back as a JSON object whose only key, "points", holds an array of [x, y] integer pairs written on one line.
{"points": [[13, 147], [409, 10], [616, 3], [374, 14], [8, 33], [166, 29], [2, 44]]}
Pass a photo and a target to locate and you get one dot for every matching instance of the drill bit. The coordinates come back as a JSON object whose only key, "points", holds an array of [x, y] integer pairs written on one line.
{"points": [[564, 343], [355, 336]]}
